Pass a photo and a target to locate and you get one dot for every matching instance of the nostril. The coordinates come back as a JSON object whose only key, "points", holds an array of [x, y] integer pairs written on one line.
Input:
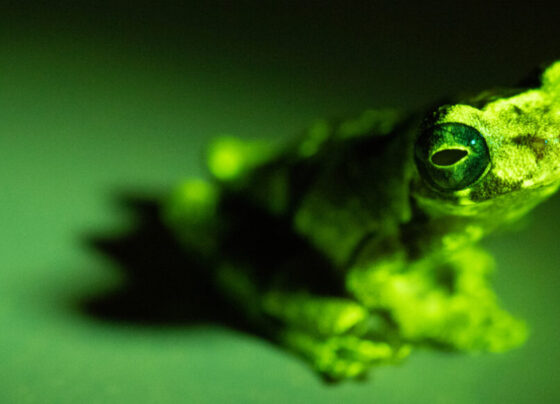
{"points": [[448, 157]]}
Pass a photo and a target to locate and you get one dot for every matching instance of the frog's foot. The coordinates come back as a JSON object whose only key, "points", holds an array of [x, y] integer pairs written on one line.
{"points": [[479, 325], [463, 309], [342, 357], [447, 303]]}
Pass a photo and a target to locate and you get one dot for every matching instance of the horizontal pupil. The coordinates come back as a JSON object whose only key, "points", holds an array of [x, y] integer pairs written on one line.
{"points": [[448, 157]]}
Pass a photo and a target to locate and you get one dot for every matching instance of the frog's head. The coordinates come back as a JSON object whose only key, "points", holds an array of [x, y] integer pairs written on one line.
{"points": [[494, 154]]}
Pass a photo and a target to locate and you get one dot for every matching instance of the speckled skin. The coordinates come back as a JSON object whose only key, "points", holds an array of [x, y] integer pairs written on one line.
{"points": [[341, 249]]}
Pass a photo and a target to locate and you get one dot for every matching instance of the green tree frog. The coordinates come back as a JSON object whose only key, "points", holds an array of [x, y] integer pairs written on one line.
{"points": [[356, 242]]}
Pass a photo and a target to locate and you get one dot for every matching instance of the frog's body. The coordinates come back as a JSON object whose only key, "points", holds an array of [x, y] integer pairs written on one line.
{"points": [[356, 242]]}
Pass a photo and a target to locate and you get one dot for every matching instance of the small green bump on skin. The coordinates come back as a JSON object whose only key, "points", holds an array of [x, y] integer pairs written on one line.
{"points": [[317, 134], [229, 158], [226, 158], [190, 211], [193, 201]]}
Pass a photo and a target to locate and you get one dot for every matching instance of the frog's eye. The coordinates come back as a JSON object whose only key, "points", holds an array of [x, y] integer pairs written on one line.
{"points": [[451, 156]]}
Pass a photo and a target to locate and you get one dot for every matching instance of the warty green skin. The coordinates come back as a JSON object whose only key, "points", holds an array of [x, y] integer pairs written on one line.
{"points": [[342, 250]]}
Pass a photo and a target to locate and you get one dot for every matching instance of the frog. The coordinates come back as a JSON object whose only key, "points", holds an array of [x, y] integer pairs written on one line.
{"points": [[357, 242]]}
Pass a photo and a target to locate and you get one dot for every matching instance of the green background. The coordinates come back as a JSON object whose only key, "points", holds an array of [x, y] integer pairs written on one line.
{"points": [[96, 98]]}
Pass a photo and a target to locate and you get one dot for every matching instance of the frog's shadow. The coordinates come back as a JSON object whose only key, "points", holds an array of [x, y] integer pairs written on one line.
{"points": [[161, 283], [164, 284]]}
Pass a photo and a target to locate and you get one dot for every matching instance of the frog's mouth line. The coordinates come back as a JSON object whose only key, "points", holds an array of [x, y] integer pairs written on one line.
{"points": [[464, 206]]}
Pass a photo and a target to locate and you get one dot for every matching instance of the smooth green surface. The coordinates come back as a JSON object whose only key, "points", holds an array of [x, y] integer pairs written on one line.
{"points": [[80, 120]]}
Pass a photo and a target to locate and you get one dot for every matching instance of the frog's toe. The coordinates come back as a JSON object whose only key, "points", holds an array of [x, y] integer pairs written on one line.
{"points": [[351, 357], [491, 331], [343, 357]]}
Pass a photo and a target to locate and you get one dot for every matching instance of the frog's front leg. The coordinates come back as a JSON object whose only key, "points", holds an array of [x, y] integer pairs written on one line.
{"points": [[334, 334], [322, 316], [444, 300]]}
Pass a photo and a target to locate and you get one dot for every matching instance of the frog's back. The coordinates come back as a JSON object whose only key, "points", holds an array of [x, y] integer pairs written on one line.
{"points": [[336, 186]]}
